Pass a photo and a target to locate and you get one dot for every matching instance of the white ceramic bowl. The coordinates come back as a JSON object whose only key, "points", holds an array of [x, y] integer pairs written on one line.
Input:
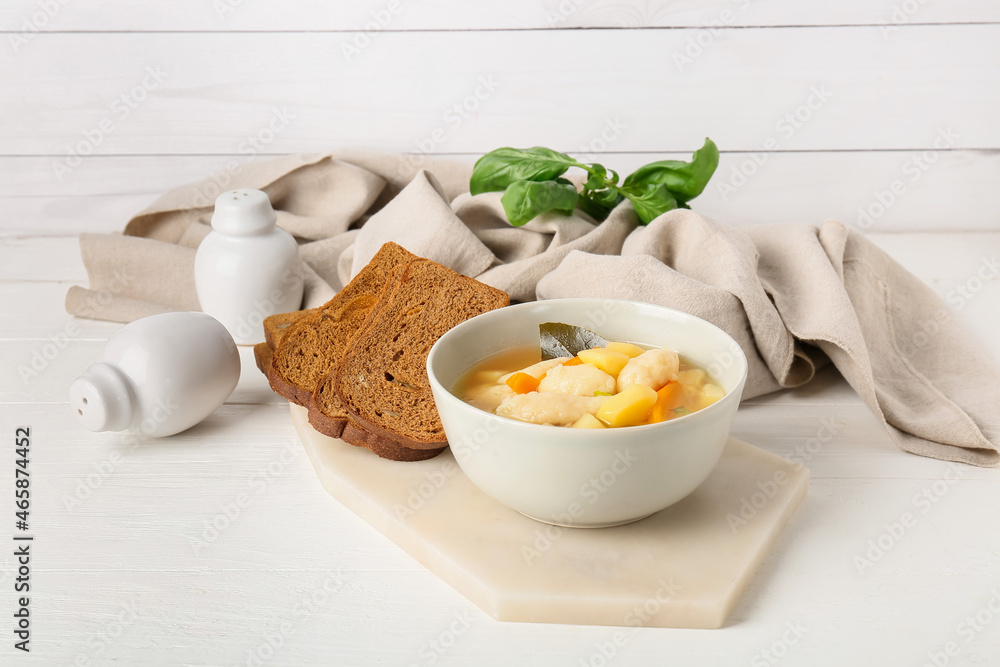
{"points": [[581, 477]]}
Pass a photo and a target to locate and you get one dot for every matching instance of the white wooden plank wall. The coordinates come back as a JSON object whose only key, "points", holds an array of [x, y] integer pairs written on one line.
{"points": [[819, 109]]}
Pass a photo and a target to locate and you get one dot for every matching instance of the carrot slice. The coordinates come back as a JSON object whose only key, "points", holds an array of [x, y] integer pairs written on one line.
{"points": [[575, 361], [671, 395], [668, 398], [522, 383]]}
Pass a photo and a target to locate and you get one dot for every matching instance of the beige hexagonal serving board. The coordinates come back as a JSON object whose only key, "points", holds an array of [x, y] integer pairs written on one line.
{"points": [[684, 567]]}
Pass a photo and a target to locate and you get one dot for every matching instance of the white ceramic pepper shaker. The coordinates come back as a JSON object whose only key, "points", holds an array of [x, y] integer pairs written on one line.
{"points": [[247, 268], [158, 375]]}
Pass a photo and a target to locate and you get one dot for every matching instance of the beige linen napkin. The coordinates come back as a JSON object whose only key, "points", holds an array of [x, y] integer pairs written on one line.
{"points": [[784, 292], [793, 296], [317, 198], [430, 225]]}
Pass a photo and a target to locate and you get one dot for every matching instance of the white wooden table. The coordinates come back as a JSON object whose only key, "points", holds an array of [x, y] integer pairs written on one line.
{"points": [[881, 114], [144, 554]]}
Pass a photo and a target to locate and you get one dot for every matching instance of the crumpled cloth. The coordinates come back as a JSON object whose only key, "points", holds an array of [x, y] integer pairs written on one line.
{"points": [[794, 297]]}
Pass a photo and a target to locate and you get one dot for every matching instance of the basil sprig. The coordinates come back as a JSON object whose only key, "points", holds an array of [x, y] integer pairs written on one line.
{"points": [[532, 183]]}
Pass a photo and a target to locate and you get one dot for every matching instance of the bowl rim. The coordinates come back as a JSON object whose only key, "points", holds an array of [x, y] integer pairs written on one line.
{"points": [[704, 413]]}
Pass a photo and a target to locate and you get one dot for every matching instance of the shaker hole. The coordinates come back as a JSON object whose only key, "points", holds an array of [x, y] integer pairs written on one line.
{"points": [[84, 400], [79, 412]]}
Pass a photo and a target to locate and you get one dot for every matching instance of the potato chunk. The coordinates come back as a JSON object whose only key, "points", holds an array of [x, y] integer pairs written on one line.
{"points": [[628, 408], [588, 421], [609, 361], [695, 377], [628, 349], [713, 392]]}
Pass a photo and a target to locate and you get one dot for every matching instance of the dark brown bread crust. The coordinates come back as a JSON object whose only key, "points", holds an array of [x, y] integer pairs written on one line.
{"points": [[285, 389], [327, 425], [382, 379], [386, 448]]}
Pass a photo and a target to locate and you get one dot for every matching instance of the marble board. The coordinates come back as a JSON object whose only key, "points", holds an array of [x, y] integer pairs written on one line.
{"points": [[684, 567]]}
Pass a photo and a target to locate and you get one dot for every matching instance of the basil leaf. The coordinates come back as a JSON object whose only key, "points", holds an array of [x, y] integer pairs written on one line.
{"points": [[593, 209], [596, 180], [524, 200], [653, 202], [685, 180], [530, 179], [608, 198], [566, 340], [502, 167]]}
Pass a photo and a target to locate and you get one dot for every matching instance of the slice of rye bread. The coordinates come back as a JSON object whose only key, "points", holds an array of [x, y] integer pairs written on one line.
{"points": [[311, 346], [317, 350], [262, 354], [276, 325], [327, 413], [274, 329], [382, 379]]}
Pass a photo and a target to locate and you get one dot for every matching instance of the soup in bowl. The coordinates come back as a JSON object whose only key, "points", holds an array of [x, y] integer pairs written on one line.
{"points": [[564, 472], [609, 385]]}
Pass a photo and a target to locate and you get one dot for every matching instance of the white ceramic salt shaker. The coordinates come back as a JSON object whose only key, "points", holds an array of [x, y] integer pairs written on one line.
{"points": [[158, 375], [247, 268]]}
